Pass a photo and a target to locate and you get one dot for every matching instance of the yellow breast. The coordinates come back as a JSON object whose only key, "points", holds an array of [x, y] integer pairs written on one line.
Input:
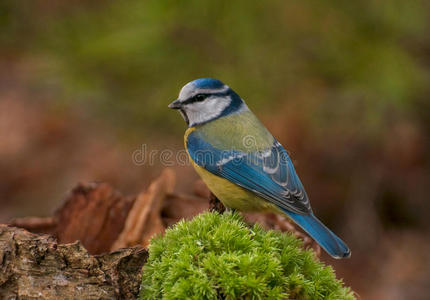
{"points": [[230, 194]]}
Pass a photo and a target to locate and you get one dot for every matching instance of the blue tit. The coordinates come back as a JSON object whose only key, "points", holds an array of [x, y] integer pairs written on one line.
{"points": [[242, 163]]}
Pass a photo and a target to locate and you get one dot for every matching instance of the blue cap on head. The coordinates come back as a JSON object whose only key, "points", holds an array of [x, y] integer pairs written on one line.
{"points": [[208, 83], [206, 99]]}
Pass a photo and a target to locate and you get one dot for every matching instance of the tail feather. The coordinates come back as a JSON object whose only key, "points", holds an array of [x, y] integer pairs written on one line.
{"points": [[331, 243]]}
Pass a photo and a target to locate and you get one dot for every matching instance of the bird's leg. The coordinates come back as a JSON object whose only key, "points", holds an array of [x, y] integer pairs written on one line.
{"points": [[215, 204]]}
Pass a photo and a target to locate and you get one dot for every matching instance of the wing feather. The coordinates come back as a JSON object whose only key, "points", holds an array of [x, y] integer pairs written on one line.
{"points": [[268, 173]]}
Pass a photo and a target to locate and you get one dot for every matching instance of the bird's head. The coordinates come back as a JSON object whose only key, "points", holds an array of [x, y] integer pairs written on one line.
{"points": [[206, 99]]}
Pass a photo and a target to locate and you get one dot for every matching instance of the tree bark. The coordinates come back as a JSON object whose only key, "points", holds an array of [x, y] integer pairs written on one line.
{"points": [[35, 266]]}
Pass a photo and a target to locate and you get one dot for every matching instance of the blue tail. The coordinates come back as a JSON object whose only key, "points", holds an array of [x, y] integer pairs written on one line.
{"points": [[321, 234]]}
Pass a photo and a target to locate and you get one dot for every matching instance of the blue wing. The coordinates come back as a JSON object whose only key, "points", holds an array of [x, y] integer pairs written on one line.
{"points": [[269, 173]]}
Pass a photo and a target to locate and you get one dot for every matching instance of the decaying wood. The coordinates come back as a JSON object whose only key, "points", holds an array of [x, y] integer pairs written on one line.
{"points": [[34, 266], [93, 214], [103, 220], [144, 219], [46, 225], [100, 217], [61, 267]]}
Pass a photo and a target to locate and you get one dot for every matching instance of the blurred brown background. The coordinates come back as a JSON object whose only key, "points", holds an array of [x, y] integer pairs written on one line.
{"points": [[344, 86]]}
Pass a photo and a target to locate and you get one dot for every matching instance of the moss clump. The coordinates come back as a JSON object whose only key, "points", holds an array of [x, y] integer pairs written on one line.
{"points": [[219, 257]]}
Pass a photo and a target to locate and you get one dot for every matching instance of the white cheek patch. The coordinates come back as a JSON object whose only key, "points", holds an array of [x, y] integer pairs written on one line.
{"points": [[201, 112]]}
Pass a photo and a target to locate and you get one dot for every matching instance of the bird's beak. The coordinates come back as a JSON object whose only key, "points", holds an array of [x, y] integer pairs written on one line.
{"points": [[175, 104]]}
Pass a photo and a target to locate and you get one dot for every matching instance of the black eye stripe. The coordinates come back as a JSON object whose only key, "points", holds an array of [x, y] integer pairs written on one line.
{"points": [[201, 97], [196, 98]]}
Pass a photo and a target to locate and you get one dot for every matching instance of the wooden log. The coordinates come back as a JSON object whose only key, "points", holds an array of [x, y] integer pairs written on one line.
{"points": [[36, 266], [144, 219]]}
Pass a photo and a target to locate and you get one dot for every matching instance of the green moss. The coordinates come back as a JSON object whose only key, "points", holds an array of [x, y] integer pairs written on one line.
{"points": [[219, 257]]}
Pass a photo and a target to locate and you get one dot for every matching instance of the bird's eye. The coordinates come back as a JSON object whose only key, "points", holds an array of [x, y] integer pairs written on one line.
{"points": [[199, 97]]}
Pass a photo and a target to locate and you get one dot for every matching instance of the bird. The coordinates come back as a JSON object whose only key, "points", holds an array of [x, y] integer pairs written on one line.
{"points": [[241, 162]]}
